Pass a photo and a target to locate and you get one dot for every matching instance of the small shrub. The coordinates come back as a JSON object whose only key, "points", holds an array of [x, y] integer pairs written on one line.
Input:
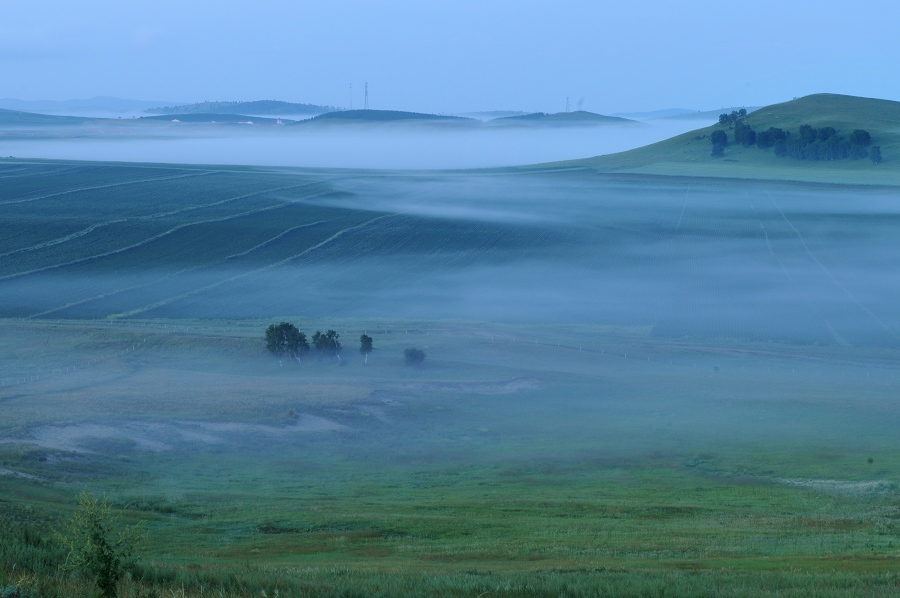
{"points": [[92, 550], [875, 154], [413, 356]]}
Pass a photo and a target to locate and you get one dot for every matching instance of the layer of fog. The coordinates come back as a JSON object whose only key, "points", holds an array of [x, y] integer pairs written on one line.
{"points": [[377, 147], [540, 258], [711, 261]]}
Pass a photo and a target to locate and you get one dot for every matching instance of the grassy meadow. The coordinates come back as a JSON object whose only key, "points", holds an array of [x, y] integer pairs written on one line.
{"points": [[632, 386], [688, 154]]}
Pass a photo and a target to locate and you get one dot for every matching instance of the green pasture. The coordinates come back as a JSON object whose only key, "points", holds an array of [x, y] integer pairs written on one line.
{"points": [[688, 155], [557, 459], [633, 386]]}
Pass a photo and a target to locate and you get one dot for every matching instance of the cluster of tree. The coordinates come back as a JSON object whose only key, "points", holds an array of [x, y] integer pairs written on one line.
{"points": [[809, 143], [285, 340], [729, 119], [826, 144]]}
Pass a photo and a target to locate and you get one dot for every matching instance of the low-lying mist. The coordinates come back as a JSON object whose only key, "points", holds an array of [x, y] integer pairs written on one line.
{"points": [[581, 333], [758, 263], [341, 146]]}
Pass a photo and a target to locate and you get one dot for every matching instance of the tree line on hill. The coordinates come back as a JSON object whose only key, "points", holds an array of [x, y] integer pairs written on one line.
{"points": [[284, 340], [808, 144]]}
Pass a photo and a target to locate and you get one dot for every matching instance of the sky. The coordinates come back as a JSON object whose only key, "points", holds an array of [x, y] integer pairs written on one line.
{"points": [[606, 57]]}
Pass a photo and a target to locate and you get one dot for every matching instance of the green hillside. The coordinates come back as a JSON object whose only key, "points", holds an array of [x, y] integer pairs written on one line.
{"points": [[267, 107], [689, 154], [15, 117], [578, 117]]}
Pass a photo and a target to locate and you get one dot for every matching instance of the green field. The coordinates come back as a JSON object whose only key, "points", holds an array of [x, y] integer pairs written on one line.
{"points": [[633, 386], [688, 155]]}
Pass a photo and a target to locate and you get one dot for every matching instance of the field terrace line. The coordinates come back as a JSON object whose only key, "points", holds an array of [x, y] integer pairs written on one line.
{"points": [[50, 173], [94, 227], [107, 186], [150, 239], [173, 274], [286, 260]]}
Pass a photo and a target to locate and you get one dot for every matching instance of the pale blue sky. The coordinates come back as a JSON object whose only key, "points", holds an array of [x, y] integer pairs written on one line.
{"points": [[452, 56]]}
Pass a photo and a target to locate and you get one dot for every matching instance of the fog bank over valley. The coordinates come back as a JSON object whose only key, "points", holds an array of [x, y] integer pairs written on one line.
{"points": [[395, 146]]}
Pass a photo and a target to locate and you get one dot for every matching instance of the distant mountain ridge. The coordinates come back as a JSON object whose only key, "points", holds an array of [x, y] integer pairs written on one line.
{"points": [[651, 114], [261, 107], [84, 107], [17, 117], [385, 116], [576, 117], [210, 117]]}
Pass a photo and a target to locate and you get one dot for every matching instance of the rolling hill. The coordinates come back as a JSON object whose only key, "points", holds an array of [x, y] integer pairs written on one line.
{"points": [[259, 107], [15, 117], [96, 106], [384, 116], [218, 118], [689, 154], [578, 117]]}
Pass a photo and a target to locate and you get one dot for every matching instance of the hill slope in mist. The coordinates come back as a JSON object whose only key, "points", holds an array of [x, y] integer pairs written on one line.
{"points": [[578, 117], [382, 116], [217, 118], [15, 117], [263, 107], [689, 154]]}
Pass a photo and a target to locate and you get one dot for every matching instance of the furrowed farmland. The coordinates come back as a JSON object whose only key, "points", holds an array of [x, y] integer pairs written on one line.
{"points": [[624, 385], [685, 260]]}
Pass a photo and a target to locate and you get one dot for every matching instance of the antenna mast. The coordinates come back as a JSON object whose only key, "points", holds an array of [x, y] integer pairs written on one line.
{"points": [[567, 103], [351, 96], [367, 95]]}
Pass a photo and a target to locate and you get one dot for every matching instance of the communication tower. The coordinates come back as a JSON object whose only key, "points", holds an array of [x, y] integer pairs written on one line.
{"points": [[367, 95], [567, 103], [351, 96]]}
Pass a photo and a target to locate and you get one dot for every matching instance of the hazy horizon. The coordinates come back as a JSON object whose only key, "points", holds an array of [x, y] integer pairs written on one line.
{"points": [[503, 56]]}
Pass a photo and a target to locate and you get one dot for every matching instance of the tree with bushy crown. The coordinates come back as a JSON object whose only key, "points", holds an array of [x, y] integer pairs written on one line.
{"points": [[808, 134], [860, 137], [285, 340], [719, 140], [94, 550], [365, 345], [744, 134], [327, 344]]}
